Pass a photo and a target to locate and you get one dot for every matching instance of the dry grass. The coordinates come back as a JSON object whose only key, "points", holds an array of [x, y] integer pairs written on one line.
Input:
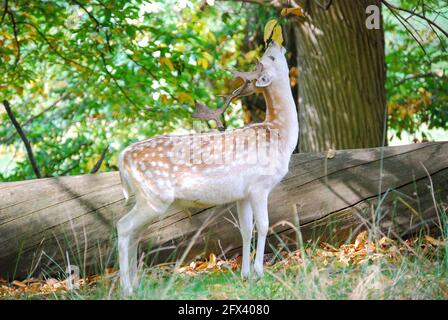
{"points": [[364, 269]]}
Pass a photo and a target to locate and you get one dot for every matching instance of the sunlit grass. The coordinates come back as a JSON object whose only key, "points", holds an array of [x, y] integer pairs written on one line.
{"points": [[415, 269]]}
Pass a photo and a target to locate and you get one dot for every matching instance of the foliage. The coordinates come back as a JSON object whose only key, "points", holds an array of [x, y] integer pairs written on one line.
{"points": [[417, 66], [84, 74]]}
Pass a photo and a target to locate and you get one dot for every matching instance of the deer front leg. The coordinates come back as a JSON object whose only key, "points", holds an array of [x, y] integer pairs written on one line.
{"points": [[245, 218], [259, 203]]}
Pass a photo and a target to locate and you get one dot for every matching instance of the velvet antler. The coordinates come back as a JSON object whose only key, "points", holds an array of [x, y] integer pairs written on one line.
{"points": [[203, 112]]}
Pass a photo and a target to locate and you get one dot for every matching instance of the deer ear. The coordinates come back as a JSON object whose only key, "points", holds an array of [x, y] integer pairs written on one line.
{"points": [[263, 80]]}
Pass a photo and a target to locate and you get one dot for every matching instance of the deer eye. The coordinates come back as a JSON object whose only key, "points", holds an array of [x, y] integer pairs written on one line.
{"points": [[272, 58]]}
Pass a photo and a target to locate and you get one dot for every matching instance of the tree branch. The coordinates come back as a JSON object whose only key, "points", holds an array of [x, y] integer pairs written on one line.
{"points": [[421, 75], [423, 17], [403, 23], [28, 121], [69, 61], [98, 25], [97, 165], [103, 59], [5, 10], [24, 138]]}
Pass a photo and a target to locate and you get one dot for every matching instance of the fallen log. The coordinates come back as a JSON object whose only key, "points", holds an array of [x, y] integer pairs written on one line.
{"points": [[46, 224]]}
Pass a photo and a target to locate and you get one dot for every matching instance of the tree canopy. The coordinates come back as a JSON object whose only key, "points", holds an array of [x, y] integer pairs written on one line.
{"points": [[82, 75]]}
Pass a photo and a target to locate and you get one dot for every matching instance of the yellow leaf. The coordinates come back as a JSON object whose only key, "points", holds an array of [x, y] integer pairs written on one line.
{"points": [[433, 241], [180, 47], [164, 98], [207, 56], [211, 37], [185, 97], [298, 12], [273, 31], [203, 63], [202, 266], [18, 283], [167, 62], [278, 35], [212, 260], [360, 240], [251, 55], [385, 242]]}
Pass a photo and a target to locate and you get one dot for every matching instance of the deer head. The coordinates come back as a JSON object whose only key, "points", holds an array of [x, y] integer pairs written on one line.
{"points": [[272, 65]]}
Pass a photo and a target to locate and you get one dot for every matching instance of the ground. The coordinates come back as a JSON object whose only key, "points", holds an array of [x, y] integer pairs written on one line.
{"points": [[365, 269]]}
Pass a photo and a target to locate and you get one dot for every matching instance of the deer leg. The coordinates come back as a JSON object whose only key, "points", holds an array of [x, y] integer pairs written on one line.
{"points": [[259, 204], [245, 218], [129, 228]]}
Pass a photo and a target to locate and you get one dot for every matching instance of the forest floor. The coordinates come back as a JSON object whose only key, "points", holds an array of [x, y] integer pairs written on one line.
{"points": [[383, 269]]}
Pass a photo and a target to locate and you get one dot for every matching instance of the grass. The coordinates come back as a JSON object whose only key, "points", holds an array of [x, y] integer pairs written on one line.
{"points": [[365, 269]]}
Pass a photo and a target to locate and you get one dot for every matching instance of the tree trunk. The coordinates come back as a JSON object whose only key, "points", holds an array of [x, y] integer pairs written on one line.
{"points": [[46, 224], [342, 96]]}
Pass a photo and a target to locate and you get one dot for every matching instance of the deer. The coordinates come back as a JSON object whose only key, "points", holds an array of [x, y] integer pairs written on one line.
{"points": [[242, 165]]}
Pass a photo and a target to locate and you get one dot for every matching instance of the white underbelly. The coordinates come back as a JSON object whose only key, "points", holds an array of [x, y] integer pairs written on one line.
{"points": [[196, 191], [206, 190]]}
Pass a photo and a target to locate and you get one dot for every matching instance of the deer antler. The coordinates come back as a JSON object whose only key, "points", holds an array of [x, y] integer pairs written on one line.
{"points": [[249, 76], [203, 112]]}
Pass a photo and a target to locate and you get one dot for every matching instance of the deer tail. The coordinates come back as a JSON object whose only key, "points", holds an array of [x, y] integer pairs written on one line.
{"points": [[125, 182]]}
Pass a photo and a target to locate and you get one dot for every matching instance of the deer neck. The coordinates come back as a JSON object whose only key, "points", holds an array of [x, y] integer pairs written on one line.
{"points": [[281, 113]]}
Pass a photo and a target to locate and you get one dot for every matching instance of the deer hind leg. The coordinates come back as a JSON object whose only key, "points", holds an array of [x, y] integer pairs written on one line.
{"points": [[245, 218], [129, 229], [259, 204]]}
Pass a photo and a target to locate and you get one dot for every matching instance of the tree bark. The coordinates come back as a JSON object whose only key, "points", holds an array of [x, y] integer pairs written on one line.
{"points": [[342, 96], [341, 84], [42, 222]]}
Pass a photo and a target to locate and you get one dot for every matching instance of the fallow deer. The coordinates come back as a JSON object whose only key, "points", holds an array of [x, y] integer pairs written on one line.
{"points": [[214, 168]]}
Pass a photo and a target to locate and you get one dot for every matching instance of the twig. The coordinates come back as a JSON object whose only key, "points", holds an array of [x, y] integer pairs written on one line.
{"points": [[98, 25], [28, 121], [97, 165], [4, 11], [23, 136], [429, 21], [52, 47], [16, 36], [149, 71], [399, 17], [422, 75], [114, 80]]}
